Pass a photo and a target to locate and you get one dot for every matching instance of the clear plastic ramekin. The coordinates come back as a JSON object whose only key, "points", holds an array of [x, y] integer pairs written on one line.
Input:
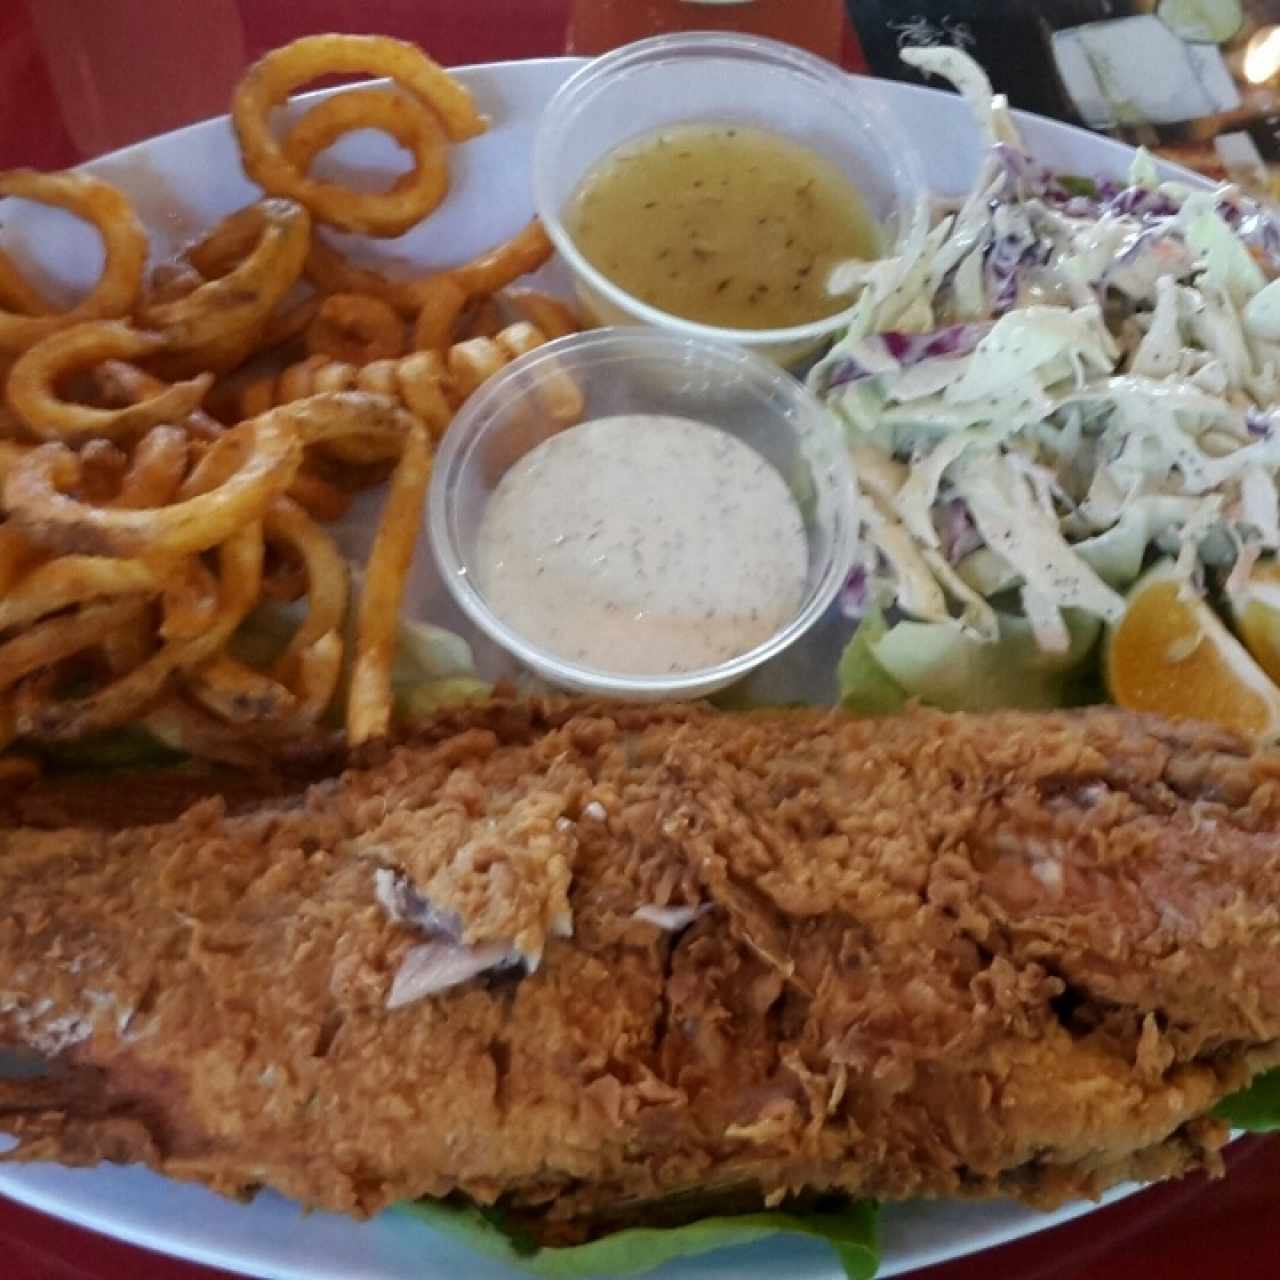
{"points": [[708, 76], [643, 371]]}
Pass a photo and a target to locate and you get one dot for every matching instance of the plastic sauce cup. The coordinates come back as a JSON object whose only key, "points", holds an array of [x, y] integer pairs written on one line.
{"points": [[643, 371], [711, 77]]}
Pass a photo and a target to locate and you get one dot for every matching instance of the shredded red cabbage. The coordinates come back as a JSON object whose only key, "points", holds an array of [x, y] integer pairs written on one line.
{"points": [[1008, 258], [1140, 202], [956, 530], [1253, 224], [1135, 245], [907, 349], [855, 595], [1032, 177]]}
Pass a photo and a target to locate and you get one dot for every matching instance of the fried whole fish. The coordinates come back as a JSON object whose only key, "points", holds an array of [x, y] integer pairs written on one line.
{"points": [[581, 959]]}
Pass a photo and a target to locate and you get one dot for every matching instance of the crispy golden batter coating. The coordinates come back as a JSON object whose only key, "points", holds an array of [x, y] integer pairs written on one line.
{"points": [[931, 955]]}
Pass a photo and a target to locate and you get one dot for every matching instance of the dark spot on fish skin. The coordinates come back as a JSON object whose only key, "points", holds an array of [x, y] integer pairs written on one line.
{"points": [[327, 1034]]}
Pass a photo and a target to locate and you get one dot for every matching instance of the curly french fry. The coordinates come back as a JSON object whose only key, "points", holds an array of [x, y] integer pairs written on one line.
{"points": [[428, 385], [483, 319], [11, 453], [42, 719], [63, 636], [17, 554], [327, 586], [238, 695], [33, 387], [190, 601], [253, 464], [319, 498], [17, 293], [443, 302], [122, 384], [124, 241], [555, 317], [302, 683], [357, 328], [130, 644], [156, 471], [74, 580], [17, 771], [139, 529]]}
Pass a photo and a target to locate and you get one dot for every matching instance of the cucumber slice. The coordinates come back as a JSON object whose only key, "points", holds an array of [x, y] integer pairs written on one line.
{"points": [[865, 686], [941, 665]]}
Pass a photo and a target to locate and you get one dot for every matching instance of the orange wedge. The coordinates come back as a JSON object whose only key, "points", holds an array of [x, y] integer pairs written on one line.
{"points": [[1173, 656], [1255, 609]]}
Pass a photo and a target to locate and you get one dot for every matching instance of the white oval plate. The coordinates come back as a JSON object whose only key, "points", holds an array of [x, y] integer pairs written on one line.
{"points": [[183, 182]]}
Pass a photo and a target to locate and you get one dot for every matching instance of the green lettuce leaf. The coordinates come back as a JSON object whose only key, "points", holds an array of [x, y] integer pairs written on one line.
{"points": [[851, 1232], [865, 686], [419, 699], [1257, 1109], [1075, 185], [129, 747]]}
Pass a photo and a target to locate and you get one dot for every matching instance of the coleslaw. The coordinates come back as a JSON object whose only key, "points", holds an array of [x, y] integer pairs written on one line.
{"points": [[1057, 379]]}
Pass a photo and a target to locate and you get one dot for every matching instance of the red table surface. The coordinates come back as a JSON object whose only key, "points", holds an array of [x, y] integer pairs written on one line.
{"points": [[1193, 1230]]}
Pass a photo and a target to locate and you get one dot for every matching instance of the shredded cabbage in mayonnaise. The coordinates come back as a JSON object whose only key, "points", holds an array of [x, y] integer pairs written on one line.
{"points": [[1053, 379]]}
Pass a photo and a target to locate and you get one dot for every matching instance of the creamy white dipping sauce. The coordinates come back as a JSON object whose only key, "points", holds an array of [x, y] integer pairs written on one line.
{"points": [[643, 545]]}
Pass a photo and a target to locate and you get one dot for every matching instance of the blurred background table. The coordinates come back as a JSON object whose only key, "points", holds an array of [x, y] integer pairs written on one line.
{"points": [[1188, 1231]]}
